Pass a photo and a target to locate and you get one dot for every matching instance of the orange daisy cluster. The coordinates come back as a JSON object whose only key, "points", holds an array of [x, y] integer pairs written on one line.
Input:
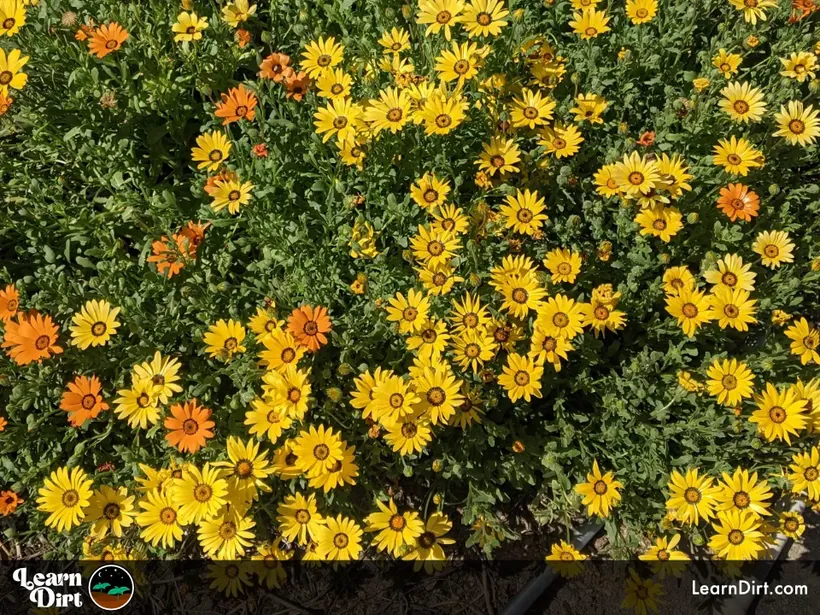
{"points": [[170, 256], [276, 67]]}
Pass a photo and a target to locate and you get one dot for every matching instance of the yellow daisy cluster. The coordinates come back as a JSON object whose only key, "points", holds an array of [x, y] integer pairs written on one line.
{"points": [[506, 284]]}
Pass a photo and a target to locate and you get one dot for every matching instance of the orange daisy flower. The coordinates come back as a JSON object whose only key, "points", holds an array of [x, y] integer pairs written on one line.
{"points": [[309, 325], [647, 139], [83, 400], [3, 423], [275, 67], [297, 85], [168, 260], [802, 9], [31, 338], [9, 501], [9, 302], [193, 234], [189, 426], [107, 39], [85, 31], [223, 176], [738, 202], [5, 103], [260, 150], [237, 104], [243, 37]]}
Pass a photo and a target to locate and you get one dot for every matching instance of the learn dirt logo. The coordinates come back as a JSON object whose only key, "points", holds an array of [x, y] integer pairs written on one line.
{"points": [[111, 587]]}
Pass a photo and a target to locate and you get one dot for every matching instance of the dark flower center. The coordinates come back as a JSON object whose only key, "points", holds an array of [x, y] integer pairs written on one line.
{"points": [[243, 468], [797, 127], [168, 516], [729, 382], [190, 427], [436, 396], [227, 530], [203, 492], [524, 215], [396, 400], [70, 498], [777, 414], [741, 499]]}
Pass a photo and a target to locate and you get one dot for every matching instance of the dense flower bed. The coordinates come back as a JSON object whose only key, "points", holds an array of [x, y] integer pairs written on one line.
{"points": [[358, 279]]}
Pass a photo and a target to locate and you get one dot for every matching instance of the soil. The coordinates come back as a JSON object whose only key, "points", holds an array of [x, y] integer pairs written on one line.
{"points": [[109, 602]]}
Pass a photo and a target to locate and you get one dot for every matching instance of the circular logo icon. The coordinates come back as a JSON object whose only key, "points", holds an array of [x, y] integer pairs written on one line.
{"points": [[111, 587]]}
